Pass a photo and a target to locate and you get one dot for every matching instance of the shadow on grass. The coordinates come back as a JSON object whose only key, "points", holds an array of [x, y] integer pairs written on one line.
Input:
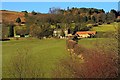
{"points": [[4, 39]]}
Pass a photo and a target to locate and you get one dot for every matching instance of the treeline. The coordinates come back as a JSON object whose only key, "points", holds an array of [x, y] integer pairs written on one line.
{"points": [[74, 19]]}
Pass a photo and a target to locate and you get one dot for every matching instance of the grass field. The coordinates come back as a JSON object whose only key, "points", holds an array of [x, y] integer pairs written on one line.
{"points": [[104, 43], [45, 52], [90, 42], [106, 27]]}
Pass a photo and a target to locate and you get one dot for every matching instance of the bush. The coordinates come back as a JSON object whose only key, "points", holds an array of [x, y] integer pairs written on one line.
{"points": [[71, 44], [78, 49], [96, 64], [99, 65], [34, 13]]}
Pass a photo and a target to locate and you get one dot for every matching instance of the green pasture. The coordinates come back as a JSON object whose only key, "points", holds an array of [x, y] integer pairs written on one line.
{"points": [[106, 27], [93, 42], [45, 53]]}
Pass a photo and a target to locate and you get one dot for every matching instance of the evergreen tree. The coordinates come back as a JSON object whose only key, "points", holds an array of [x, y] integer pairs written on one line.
{"points": [[11, 30], [34, 13], [18, 20], [94, 19]]}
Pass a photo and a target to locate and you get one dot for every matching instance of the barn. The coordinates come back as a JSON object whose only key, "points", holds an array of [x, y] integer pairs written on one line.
{"points": [[85, 34]]}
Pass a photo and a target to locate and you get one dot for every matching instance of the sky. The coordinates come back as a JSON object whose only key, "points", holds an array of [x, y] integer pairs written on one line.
{"points": [[43, 7]]}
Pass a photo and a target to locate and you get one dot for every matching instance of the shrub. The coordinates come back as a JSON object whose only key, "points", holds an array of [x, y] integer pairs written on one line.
{"points": [[34, 13], [100, 65], [78, 49], [96, 65], [18, 20], [71, 44]]}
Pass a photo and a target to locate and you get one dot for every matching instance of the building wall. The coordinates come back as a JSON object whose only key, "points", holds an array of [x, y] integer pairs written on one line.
{"points": [[83, 35]]}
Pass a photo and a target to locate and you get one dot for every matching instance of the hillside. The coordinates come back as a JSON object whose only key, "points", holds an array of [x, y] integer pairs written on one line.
{"points": [[11, 16]]}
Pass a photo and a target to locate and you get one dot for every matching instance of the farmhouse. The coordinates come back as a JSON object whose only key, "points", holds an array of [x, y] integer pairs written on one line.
{"points": [[60, 33], [57, 32], [85, 34]]}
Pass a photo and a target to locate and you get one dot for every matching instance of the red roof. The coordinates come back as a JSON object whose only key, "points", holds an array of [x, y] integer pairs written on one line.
{"points": [[86, 32]]}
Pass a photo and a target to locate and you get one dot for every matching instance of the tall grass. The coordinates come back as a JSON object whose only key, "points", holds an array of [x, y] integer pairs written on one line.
{"points": [[22, 65]]}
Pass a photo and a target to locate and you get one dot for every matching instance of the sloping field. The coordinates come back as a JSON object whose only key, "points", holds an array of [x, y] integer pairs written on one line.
{"points": [[11, 16], [105, 27], [45, 53]]}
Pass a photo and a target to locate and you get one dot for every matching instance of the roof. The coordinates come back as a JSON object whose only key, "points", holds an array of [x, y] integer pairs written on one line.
{"points": [[86, 32]]}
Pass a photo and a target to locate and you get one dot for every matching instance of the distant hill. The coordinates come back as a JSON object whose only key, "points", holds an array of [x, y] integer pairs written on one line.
{"points": [[11, 16]]}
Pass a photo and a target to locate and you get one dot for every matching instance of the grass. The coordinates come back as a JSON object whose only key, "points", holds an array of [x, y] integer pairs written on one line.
{"points": [[45, 52], [105, 27], [89, 42]]}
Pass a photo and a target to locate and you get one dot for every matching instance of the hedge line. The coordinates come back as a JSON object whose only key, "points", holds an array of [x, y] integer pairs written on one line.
{"points": [[96, 63]]}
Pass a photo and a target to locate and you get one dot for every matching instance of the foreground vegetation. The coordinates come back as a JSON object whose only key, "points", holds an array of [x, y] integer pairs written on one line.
{"points": [[49, 58]]}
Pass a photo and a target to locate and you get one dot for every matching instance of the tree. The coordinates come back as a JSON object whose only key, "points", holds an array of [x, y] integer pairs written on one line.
{"points": [[75, 29], [4, 33], [25, 14], [68, 8], [18, 20], [4, 30], [75, 38], [85, 19], [110, 17], [25, 11], [93, 19], [34, 13], [11, 30], [41, 30], [54, 10], [62, 33], [115, 12]]}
